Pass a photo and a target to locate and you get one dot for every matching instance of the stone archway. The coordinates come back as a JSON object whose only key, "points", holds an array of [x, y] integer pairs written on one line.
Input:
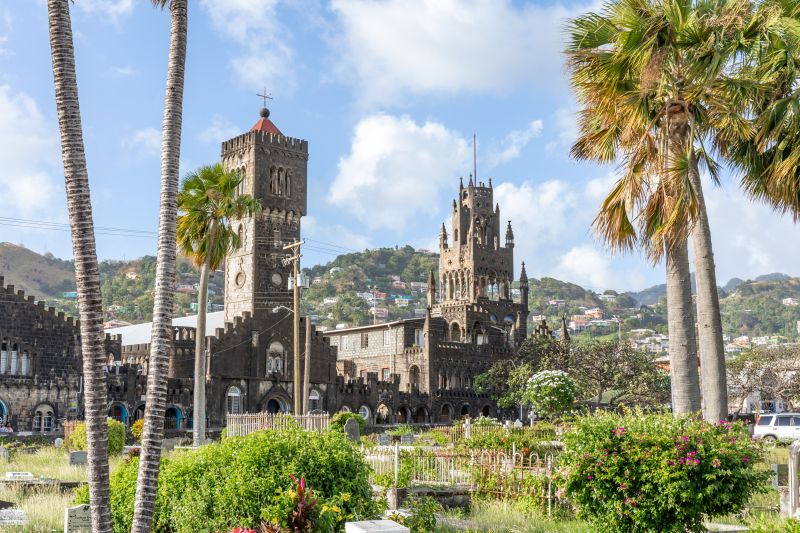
{"points": [[383, 415], [446, 414], [403, 415], [465, 410], [421, 415]]}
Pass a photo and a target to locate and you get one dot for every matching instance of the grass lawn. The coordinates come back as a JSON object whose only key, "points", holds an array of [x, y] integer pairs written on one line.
{"points": [[48, 462], [505, 516]]}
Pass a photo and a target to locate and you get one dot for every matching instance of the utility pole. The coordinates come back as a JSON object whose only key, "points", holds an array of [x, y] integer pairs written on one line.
{"points": [[295, 260], [307, 368]]}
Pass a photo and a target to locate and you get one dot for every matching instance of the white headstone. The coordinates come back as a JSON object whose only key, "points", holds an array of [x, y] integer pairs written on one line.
{"points": [[19, 476], [58, 442], [12, 517], [375, 526], [518, 423], [77, 519]]}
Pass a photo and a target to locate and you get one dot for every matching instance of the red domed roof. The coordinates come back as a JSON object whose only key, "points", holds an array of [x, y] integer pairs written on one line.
{"points": [[265, 125]]}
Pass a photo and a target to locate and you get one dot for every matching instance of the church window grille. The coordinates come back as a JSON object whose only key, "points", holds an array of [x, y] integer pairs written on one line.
{"points": [[24, 364], [386, 374], [43, 419], [344, 342], [386, 337], [234, 401], [419, 338], [14, 359], [364, 341], [364, 412], [314, 401]]}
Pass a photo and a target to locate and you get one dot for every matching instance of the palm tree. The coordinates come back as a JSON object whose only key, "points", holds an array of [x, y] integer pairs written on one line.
{"points": [[657, 81], [87, 275], [160, 344], [208, 201]]}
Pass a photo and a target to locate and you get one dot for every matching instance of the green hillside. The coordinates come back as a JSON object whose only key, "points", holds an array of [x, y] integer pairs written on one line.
{"points": [[339, 292]]}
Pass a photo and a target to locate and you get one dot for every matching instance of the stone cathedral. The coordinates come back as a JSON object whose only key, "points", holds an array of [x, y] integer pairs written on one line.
{"points": [[416, 370]]}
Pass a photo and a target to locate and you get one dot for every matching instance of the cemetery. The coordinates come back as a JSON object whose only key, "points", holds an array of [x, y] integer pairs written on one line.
{"points": [[470, 476]]}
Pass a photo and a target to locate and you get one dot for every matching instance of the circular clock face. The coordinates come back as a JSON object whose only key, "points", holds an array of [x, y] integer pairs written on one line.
{"points": [[277, 279], [240, 277]]}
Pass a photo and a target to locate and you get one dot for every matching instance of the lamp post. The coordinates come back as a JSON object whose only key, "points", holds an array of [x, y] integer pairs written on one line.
{"points": [[294, 259]]}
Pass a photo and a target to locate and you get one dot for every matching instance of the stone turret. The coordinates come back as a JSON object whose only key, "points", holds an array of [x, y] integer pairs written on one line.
{"points": [[509, 233]]}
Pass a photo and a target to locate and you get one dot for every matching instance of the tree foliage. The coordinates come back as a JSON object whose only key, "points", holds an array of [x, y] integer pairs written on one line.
{"points": [[770, 372]]}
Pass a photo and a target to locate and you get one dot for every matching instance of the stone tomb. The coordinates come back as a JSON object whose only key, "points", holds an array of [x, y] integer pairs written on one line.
{"points": [[375, 526], [10, 516], [19, 476], [78, 458], [77, 519], [384, 439], [352, 430]]}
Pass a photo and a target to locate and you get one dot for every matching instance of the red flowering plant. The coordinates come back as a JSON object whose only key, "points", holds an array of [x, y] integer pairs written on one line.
{"points": [[653, 472]]}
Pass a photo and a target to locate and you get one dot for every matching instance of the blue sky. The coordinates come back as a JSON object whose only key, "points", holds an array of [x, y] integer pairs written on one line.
{"points": [[387, 93]]}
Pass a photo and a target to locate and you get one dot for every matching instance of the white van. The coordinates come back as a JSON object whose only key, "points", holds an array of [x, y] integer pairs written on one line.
{"points": [[783, 426]]}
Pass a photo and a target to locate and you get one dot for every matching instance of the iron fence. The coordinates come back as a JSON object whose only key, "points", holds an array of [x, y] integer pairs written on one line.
{"points": [[244, 424]]}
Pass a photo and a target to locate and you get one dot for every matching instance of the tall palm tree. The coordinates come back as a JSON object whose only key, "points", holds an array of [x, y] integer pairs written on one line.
{"points": [[87, 274], [209, 200], [657, 81], [160, 344]]}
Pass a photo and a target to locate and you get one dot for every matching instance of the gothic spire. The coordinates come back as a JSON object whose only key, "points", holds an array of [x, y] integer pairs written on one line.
{"points": [[523, 276], [509, 236]]}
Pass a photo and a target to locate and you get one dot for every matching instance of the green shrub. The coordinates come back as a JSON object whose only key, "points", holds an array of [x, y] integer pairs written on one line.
{"points": [[338, 420], [423, 515], [650, 472], [400, 430], [116, 437], [550, 392], [137, 428], [243, 481]]}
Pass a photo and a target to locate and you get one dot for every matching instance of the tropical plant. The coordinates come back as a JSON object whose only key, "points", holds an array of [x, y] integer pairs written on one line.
{"points": [[209, 200], [136, 430], [244, 481], [652, 472], [163, 305], [116, 437], [87, 275], [658, 82]]}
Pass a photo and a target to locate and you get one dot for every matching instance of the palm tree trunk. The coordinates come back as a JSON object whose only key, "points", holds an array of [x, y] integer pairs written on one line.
{"points": [[709, 323], [199, 410], [87, 275], [161, 340], [682, 342]]}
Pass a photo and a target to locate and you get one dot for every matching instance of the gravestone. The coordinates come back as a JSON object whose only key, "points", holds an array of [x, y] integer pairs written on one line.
{"points": [[384, 439], [518, 423], [407, 439], [5, 454], [352, 430], [77, 519], [6, 505], [19, 476], [375, 526], [58, 443], [12, 517], [78, 458]]}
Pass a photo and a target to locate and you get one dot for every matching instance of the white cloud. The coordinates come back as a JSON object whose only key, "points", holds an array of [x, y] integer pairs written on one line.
{"points": [[112, 10], [598, 188], [596, 269], [124, 72], [29, 155], [146, 141], [219, 130], [749, 238], [396, 168], [329, 240], [566, 131], [514, 142], [540, 213], [266, 56], [398, 47]]}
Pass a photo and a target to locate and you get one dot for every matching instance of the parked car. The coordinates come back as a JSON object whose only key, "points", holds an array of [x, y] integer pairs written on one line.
{"points": [[775, 427]]}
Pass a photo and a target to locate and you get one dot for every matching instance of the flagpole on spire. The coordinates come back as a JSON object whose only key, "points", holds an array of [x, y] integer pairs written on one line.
{"points": [[475, 157]]}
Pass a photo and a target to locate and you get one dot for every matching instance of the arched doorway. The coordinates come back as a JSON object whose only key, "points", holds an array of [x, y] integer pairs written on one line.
{"points": [[421, 415], [465, 410], [118, 413], [190, 419], [486, 411], [455, 332], [138, 413], [383, 415], [172, 418], [403, 415], [446, 414], [275, 406], [413, 377]]}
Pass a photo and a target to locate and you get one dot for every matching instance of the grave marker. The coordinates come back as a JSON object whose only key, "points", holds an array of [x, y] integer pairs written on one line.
{"points": [[19, 476], [12, 517], [384, 439], [78, 458], [77, 519], [407, 439], [352, 430], [375, 526]]}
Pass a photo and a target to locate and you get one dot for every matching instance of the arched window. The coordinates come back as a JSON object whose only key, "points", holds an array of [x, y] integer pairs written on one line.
{"points": [[314, 401], [364, 412], [3, 356], [288, 185], [273, 178], [275, 354], [413, 377], [24, 364], [240, 234], [43, 419], [14, 359], [234, 401]]}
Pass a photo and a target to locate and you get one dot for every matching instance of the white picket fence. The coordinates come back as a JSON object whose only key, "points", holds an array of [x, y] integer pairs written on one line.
{"points": [[241, 425]]}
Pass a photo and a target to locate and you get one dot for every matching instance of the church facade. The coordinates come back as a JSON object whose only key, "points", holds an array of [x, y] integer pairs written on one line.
{"points": [[417, 370]]}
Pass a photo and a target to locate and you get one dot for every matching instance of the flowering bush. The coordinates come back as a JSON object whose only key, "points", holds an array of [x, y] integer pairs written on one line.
{"points": [[636, 472], [137, 428], [549, 392]]}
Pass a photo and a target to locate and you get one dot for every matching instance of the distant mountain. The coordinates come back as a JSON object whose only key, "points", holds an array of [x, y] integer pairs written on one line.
{"points": [[652, 295], [775, 276], [43, 276]]}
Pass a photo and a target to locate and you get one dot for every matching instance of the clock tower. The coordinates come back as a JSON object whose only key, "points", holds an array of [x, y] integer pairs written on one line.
{"points": [[274, 167]]}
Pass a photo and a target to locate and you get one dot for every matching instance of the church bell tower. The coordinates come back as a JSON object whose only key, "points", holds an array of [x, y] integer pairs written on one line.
{"points": [[275, 170]]}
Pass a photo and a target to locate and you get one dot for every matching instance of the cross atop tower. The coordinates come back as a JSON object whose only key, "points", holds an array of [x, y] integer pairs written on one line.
{"points": [[266, 96]]}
